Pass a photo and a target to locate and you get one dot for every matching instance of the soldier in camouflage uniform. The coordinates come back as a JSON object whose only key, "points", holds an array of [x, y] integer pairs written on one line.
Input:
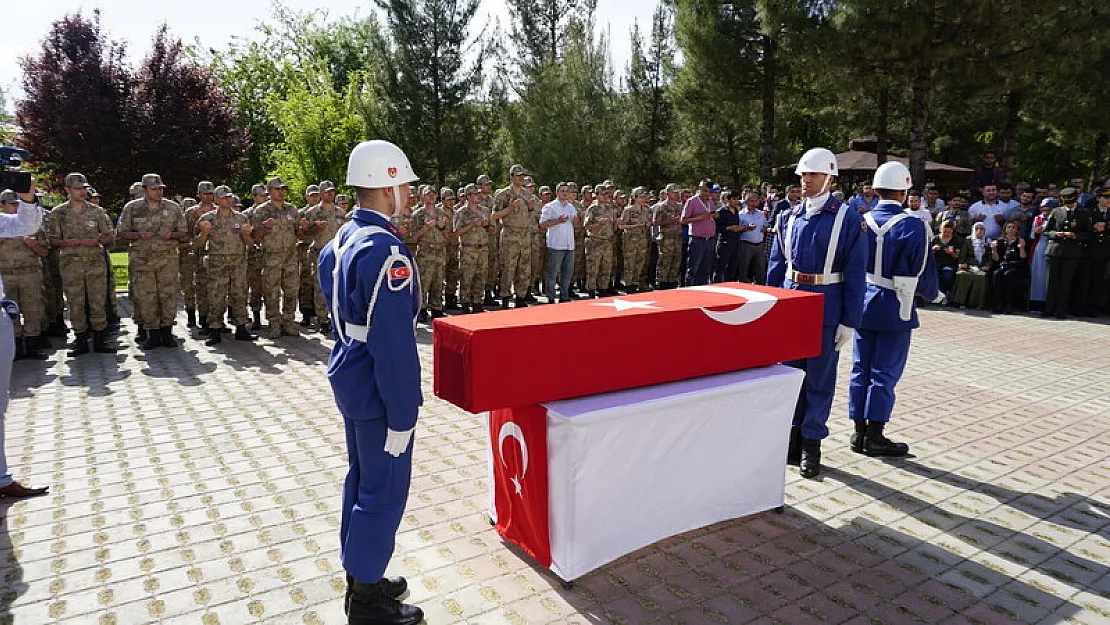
{"points": [[539, 242], [188, 262], [324, 221], [254, 261], [134, 193], [306, 295], [451, 272], [584, 201], [471, 224], [633, 225], [225, 235], [599, 222], [21, 270], [156, 227], [429, 223], [344, 203], [666, 215], [512, 209], [110, 305], [52, 286], [620, 200], [200, 276], [493, 265], [80, 229], [277, 226]]}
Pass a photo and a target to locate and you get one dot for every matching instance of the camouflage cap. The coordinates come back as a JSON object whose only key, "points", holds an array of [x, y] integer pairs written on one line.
{"points": [[91, 192], [205, 186], [517, 170], [608, 183], [326, 185], [621, 194], [152, 181], [188, 203], [275, 183], [545, 189], [1068, 195], [470, 189], [483, 179], [235, 201], [8, 196], [312, 188], [587, 188], [75, 180], [136, 188], [671, 188], [638, 192], [573, 186], [342, 199], [528, 182], [426, 189], [446, 193], [223, 191]]}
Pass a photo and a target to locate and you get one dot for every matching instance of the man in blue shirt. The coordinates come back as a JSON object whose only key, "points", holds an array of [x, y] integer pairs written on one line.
{"points": [[753, 227], [819, 247], [728, 239], [370, 283], [900, 265], [865, 200]]}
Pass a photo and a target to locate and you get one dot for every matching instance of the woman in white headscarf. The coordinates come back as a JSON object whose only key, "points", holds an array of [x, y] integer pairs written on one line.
{"points": [[973, 276]]}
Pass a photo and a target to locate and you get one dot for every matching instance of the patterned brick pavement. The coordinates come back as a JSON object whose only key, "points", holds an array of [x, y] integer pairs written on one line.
{"points": [[202, 486]]}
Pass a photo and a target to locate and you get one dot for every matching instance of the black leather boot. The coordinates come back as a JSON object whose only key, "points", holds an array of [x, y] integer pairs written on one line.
{"points": [[191, 316], [151, 339], [32, 348], [876, 444], [256, 324], [242, 334], [20, 349], [453, 303], [811, 458], [505, 302], [856, 442], [422, 316], [395, 587], [80, 344], [370, 605], [202, 321], [168, 339], [520, 302], [214, 338], [100, 344], [794, 451]]}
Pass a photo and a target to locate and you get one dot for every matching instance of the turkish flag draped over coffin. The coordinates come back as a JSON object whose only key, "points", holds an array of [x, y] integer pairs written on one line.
{"points": [[527, 356], [520, 478]]}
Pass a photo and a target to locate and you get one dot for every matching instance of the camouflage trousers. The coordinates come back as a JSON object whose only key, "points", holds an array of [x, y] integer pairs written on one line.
{"points": [[280, 283], [539, 256], [23, 285], [618, 258], [516, 262], [431, 263], [320, 305], [52, 285], [579, 256], [306, 295], [156, 287], [193, 282], [667, 271], [473, 262], [254, 277], [84, 282], [599, 263], [634, 248], [227, 288], [451, 271], [493, 261]]}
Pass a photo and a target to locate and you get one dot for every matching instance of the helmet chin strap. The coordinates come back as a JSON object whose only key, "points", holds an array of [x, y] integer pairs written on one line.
{"points": [[828, 183], [396, 199]]}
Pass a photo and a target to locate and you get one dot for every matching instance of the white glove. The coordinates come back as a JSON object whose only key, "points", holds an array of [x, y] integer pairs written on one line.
{"points": [[842, 337], [396, 443]]}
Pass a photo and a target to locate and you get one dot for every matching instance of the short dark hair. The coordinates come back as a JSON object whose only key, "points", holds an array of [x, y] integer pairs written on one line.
{"points": [[889, 194]]}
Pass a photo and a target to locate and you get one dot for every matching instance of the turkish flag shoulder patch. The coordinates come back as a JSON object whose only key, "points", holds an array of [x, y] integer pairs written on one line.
{"points": [[399, 273]]}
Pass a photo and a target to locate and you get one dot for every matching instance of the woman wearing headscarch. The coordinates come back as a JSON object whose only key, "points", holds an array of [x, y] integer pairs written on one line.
{"points": [[1038, 262], [973, 277]]}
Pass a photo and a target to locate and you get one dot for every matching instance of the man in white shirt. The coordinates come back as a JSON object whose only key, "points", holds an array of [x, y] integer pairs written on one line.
{"points": [[558, 219], [26, 221], [989, 211], [915, 208]]}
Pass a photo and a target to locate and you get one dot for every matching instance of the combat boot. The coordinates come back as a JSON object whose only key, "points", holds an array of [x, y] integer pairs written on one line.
{"points": [[856, 442], [876, 444], [810, 463], [794, 451], [395, 587], [529, 297], [80, 344], [100, 345], [202, 321], [214, 338], [20, 349], [57, 328], [325, 328], [256, 324], [520, 302], [151, 339], [505, 302], [242, 334], [306, 317], [33, 349], [422, 316], [370, 605], [168, 339], [453, 303], [191, 316], [490, 300]]}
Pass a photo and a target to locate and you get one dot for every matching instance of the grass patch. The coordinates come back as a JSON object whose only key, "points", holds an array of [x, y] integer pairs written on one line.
{"points": [[119, 270]]}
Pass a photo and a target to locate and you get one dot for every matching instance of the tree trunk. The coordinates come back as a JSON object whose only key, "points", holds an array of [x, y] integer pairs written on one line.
{"points": [[919, 120], [1098, 168], [1009, 132], [883, 126], [767, 131]]}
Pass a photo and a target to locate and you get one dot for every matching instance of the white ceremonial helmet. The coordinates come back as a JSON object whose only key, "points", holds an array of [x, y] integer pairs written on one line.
{"points": [[817, 161], [379, 164], [894, 176]]}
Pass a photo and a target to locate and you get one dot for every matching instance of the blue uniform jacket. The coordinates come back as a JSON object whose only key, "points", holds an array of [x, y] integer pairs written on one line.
{"points": [[904, 250], [844, 301], [381, 377]]}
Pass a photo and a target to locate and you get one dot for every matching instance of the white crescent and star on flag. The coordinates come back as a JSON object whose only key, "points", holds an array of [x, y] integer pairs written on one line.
{"points": [[512, 430], [758, 304]]}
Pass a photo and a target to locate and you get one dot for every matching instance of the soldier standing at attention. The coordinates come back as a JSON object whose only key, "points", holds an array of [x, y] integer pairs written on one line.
{"points": [[584, 201], [512, 209], [21, 274], [225, 235], [451, 244], [110, 307], [493, 236], [155, 226], [306, 294], [470, 225], [428, 225], [276, 226], [633, 224], [80, 229], [52, 286], [343, 202], [599, 223], [620, 201], [1067, 230], [254, 260], [666, 216], [192, 216], [324, 221], [188, 262]]}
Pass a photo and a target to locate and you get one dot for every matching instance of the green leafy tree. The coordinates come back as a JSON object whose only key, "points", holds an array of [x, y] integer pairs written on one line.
{"points": [[646, 108], [540, 28]]}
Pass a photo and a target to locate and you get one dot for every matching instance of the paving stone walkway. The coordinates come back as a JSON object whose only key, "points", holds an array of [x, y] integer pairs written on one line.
{"points": [[202, 486]]}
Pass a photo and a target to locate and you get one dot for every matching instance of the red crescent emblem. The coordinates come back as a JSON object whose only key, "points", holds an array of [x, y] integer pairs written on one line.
{"points": [[392, 172]]}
